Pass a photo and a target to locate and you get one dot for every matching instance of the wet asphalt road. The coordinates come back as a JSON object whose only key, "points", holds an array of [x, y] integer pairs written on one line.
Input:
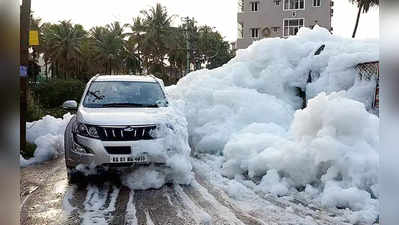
{"points": [[46, 198]]}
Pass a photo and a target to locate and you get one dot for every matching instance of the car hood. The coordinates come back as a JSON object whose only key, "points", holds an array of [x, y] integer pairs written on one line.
{"points": [[121, 116]]}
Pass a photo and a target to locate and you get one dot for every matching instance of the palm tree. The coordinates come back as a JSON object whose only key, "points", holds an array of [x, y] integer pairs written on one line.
{"points": [[44, 47], [134, 44], [157, 27], [62, 45], [177, 53], [116, 32], [152, 46], [363, 6], [109, 42], [88, 64]]}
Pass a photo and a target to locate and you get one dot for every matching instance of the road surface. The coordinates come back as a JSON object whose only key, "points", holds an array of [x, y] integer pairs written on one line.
{"points": [[46, 198]]}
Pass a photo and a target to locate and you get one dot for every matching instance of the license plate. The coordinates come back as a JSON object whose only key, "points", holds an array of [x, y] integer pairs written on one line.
{"points": [[128, 159]]}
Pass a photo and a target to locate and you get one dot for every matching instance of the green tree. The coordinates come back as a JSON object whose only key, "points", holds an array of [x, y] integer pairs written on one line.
{"points": [[88, 63], [215, 51], [44, 47], [132, 61], [109, 46], [62, 46], [363, 6], [177, 54], [151, 46], [207, 46], [157, 32], [134, 46]]}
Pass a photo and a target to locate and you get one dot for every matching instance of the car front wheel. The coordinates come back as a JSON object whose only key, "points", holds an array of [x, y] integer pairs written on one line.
{"points": [[74, 176]]}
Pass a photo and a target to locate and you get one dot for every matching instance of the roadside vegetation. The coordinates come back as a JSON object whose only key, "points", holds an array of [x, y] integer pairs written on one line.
{"points": [[150, 44], [46, 97], [29, 150]]}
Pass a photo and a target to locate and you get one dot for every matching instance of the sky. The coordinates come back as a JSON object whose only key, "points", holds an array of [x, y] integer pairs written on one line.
{"points": [[221, 14]]}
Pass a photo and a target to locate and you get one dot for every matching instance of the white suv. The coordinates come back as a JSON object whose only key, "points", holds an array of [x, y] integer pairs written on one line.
{"points": [[116, 124]]}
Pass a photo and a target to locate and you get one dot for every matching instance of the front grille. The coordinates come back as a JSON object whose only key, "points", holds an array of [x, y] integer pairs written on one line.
{"points": [[118, 150], [128, 133]]}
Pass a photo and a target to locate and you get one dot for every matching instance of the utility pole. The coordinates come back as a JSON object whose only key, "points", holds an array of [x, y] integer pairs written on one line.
{"points": [[24, 63], [187, 46]]}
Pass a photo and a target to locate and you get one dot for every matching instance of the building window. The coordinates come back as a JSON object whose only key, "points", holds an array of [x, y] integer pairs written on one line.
{"points": [[240, 5], [277, 2], [254, 32], [275, 29], [316, 3], [294, 4], [291, 26], [240, 30], [254, 6]]}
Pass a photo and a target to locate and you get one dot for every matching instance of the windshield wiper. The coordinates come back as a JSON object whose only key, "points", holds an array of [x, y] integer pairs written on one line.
{"points": [[129, 104], [95, 95]]}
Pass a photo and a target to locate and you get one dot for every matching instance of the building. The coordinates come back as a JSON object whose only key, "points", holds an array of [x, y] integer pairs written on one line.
{"points": [[259, 19]]}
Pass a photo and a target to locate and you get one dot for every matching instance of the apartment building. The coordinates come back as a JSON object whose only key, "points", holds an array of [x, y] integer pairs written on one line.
{"points": [[259, 19]]}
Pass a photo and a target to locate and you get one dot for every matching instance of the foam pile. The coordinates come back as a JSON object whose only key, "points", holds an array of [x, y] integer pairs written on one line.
{"points": [[178, 168], [248, 111], [48, 135]]}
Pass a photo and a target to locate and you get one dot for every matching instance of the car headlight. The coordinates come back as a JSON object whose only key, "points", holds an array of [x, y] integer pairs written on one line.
{"points": [[78, 148], [86, 130]]}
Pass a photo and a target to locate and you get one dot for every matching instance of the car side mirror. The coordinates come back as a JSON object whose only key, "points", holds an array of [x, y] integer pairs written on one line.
{"points": [[70, 105], [162, 103]]}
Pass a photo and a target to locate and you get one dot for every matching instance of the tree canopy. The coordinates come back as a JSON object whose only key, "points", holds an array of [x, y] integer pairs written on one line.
{"points": [[149, 45], [363, 6]]}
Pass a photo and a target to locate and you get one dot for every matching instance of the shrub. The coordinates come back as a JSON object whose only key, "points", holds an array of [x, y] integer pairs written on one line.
{"points": [[29, 150], [53, 93], [33, 110], [57, 112]]}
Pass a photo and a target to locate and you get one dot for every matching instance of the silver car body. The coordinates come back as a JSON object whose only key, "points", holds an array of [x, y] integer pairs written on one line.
{"points": [[114, 120]]}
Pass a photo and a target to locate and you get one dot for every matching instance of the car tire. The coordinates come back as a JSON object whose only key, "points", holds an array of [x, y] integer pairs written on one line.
{"points": [[74, 176]]}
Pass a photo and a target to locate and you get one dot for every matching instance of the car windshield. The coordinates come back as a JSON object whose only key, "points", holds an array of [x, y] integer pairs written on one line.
{"points": [[124, 94]]}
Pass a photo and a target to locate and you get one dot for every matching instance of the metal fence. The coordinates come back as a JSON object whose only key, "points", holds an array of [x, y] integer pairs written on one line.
{"points": [[369, 71]]}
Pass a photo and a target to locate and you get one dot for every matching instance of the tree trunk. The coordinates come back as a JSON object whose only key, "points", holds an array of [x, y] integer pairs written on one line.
{"points": [[110, 67], [357, 20], [45, 69], [78, 69], [51, 69], [63, 70], [56, 70]]}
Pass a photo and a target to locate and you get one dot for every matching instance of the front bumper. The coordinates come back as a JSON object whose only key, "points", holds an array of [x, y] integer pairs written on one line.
{"points": [[154, 150]]}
